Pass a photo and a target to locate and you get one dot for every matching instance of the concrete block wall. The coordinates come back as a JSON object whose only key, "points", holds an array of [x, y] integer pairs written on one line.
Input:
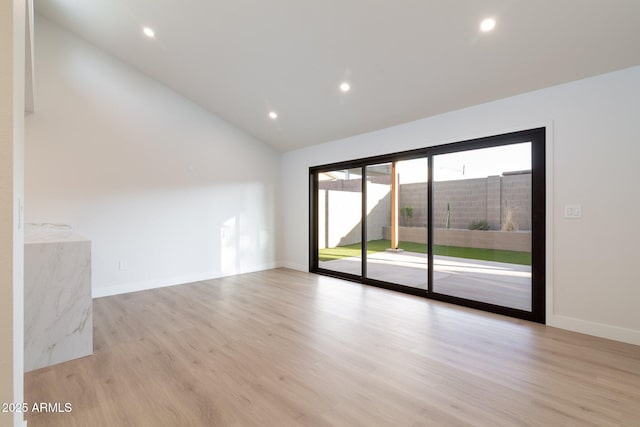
{"points": [[470, 200], [415, 196], [516, 195], [467, 200], [503, 240], [494, 202]]}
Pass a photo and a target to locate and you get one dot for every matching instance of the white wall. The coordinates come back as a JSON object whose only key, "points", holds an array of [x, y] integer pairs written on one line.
{"points": [[6, 207], [12, 106], [180, 195], [594, 142], [151, 178]]}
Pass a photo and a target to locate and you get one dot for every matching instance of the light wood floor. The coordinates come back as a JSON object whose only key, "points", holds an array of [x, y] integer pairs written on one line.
{"points": [[284, 348]]}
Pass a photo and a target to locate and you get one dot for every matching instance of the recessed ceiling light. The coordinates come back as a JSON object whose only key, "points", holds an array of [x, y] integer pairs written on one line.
{"points": [[273, 115], [148, 32], [487, 25], [345, 87]]}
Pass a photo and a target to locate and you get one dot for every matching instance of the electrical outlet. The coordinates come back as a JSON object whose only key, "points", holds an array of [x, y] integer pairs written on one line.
{"points": [[573, 211], [123, 265]]}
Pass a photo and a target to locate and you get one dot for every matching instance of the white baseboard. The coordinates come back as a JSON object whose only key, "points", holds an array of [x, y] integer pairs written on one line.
{"points": [[601, 330], [124, 288]]}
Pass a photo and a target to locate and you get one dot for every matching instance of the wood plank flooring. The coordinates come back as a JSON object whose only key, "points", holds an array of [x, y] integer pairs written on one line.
{"points": [[285, 348]]}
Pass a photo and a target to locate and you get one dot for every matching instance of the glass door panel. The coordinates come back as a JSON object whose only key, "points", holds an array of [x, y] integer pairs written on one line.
{"points": [[397, 222], [340, 221], [482, 225]]}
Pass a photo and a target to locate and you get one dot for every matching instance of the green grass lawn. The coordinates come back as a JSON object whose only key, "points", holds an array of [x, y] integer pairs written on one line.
{"points": [[374, 246]]}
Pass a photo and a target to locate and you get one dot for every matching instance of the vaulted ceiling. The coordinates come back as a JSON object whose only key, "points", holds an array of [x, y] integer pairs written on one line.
{"points": [[404, 59]]}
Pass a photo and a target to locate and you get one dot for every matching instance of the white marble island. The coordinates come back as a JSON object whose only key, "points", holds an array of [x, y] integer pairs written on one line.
{"points": [[58, 316]]}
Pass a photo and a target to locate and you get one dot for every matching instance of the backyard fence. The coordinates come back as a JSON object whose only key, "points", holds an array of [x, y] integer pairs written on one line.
{"points": [[496, 200]]}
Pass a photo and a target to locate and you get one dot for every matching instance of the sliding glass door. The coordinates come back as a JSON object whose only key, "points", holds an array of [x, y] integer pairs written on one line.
{"points": [[397, 223], [482, 225], [462, 222], [339, 206]]}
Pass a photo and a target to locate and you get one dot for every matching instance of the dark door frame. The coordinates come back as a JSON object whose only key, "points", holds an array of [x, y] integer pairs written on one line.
{"points": [[536, 137]]}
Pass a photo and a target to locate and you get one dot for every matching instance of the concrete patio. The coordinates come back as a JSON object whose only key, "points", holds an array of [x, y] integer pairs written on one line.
{"points": [[497, 283]]}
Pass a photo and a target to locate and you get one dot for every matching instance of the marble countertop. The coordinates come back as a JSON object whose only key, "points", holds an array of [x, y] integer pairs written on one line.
{"points": [[58, 310], [51, 233]]}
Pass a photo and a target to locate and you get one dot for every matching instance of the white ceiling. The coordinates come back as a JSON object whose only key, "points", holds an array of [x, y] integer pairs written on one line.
{"points": [[405, 59]]}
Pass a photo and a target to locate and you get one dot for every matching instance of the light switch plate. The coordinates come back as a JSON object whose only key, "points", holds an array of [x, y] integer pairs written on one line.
{"points": [[573, 211]]}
